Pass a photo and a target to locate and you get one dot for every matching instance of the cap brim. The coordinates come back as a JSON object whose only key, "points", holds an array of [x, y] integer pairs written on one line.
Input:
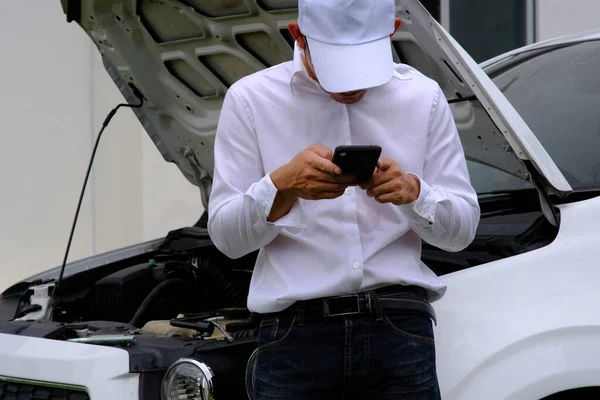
{"points": [[352, 67]]}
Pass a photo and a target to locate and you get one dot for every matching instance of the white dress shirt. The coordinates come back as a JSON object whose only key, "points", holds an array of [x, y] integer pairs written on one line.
{"points": [[352, 243]]}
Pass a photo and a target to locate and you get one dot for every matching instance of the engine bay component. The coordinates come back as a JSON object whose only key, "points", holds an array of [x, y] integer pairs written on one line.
{"points": [[108, 340], [164, 328], [196, 323], [221, 329], [39, 303], [117, 297], [162, 299]]}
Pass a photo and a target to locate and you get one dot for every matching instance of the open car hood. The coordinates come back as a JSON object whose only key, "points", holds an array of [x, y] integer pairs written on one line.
{"points": [[183, 55]]}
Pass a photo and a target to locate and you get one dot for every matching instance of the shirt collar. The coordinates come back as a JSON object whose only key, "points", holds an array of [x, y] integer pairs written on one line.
{"points": [[299, 73], [402, 76]]}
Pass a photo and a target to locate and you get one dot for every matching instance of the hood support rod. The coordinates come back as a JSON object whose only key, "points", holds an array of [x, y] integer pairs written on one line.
{"points": [[548, 209], [201, 177]]}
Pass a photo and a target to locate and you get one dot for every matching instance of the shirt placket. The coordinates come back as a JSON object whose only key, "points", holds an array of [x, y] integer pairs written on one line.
{"points": [[355, 258]]}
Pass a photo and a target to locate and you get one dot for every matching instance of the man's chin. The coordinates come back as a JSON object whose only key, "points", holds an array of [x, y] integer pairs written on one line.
{"points": [[349, 97]]}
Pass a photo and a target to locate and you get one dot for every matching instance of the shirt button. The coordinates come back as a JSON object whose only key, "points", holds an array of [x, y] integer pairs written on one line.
{"points": [[348, 191], [351, 233], [356, 265]]}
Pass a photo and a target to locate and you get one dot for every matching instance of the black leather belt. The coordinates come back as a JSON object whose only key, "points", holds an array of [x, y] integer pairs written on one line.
{"points": [[401, 299]]}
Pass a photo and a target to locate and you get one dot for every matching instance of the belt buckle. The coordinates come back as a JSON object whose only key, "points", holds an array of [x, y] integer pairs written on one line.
{"points": [[350, 305]]}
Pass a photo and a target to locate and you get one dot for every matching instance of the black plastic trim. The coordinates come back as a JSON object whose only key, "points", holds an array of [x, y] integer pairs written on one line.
{"points": [[73, 10], [150, 385]]}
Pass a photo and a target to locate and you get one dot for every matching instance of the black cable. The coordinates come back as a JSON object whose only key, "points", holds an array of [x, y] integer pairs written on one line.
{"points": [[162, 290], [107, 120]]}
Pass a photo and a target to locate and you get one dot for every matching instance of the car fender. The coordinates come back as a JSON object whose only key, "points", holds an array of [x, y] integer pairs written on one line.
{"points": [[535, 367], [527, 325]]}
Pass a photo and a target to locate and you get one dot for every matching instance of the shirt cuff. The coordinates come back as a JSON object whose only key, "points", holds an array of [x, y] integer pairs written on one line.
{"points": [[264, 192], [422, 210]]}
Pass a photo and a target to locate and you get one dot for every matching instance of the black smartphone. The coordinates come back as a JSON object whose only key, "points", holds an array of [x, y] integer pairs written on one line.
{"points": [[357, 160]]}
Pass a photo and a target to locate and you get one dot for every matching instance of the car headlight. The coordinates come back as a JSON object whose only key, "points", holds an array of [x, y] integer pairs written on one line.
{"points": [[188, 379]]}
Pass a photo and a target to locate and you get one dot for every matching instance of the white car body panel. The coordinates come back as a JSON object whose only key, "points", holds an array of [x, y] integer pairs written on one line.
{"points": [[526, 326], [103, 371]]}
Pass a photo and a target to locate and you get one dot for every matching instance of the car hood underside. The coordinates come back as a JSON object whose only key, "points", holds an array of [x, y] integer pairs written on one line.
{"points": [[183, 56]]}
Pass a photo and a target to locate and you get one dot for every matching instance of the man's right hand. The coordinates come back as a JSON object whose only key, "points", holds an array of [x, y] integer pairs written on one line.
{"points": [[312, 176]]}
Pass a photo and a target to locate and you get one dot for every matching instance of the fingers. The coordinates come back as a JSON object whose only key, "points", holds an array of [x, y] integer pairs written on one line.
{"points": [[385, 164], [385, 172], [397, 191], [321, 151], [376, 180], [328, 178], [366, 185], [387, 187], [386, 198], [324, 165]]}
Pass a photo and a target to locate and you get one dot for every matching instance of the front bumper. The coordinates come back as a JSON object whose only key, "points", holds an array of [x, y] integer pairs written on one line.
{"points": [[101, 371]]}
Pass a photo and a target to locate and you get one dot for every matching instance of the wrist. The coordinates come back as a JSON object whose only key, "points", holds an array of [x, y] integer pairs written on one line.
{"points": [[280, 180], [416, 188], [284, 199]]}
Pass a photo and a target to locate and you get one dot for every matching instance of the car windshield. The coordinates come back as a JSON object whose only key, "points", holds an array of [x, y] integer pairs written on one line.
{"points": [[558, 94]]}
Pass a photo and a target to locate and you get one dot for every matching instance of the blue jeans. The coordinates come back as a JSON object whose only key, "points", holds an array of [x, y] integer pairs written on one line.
{"points": [[391, 357]]}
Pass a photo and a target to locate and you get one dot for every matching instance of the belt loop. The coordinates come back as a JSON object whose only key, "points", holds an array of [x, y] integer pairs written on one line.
{"points": [[374, 305]]}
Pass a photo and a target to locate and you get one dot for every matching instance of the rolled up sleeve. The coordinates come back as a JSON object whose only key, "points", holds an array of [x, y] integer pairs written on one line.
{"points": [[242, 194], [446, 213]]}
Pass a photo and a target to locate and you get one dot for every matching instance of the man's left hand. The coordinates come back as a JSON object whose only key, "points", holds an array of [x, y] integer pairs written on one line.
{"points": [[390, 184]]}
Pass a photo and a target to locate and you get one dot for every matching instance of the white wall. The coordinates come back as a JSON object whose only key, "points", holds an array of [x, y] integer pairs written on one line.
{"points": [[54, 95], [563, 17], [169, 201]]}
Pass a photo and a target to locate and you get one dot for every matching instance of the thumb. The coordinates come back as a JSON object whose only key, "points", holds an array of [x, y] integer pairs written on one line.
{"points": [[384, 164], [321, 151]]}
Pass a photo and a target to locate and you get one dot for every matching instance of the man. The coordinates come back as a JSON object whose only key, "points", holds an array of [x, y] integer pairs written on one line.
{"points": [[338, 279]]}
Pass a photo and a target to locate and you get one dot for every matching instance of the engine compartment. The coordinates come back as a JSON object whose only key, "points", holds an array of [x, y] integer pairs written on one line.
{"points": [[175, 289], [184, 298], [158, 289], [185, 275], [188, 277], [182, 288]]}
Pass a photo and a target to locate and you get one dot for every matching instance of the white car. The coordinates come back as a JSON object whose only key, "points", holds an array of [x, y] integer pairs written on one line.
{"points": [[166, 319]]}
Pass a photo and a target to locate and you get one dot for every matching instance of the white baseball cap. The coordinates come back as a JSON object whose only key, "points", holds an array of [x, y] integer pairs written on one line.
{"points": [[349, 41]]}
